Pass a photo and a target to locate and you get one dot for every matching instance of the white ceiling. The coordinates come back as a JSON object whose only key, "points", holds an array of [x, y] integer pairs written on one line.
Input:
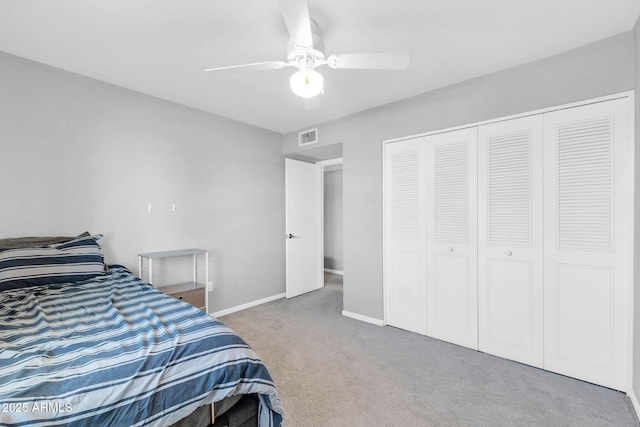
{"points": [[160, 47]]}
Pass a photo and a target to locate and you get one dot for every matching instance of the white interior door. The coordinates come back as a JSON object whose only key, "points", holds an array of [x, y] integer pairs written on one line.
{"points": [[451, 225], [303, 225], [586, 291], [405, 250], [510, 239]]}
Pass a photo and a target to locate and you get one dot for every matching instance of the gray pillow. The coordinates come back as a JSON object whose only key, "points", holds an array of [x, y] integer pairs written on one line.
{"points": [[28, 242]]}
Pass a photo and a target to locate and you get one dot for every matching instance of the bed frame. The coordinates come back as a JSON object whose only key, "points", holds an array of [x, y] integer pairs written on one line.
{"points": [[235, 411]]}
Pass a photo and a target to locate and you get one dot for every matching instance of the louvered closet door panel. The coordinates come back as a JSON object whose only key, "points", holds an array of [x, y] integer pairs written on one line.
{"points": [[586, 242], [510, 239], [405, 251], [452, 237]]}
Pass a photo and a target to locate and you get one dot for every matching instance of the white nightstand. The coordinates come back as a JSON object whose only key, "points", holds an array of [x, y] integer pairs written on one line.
{"points": [[194, 291]]}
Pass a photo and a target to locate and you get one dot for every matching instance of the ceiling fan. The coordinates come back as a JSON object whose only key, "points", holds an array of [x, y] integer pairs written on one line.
{"points": [[305, 51]]}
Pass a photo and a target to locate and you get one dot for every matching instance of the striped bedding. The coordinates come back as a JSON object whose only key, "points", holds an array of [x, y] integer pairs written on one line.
{"points": [[114, 351], [77, 259]]}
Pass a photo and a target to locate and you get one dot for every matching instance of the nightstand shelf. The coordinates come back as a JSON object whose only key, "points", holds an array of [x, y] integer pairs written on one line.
{"points": [[195, 291]]}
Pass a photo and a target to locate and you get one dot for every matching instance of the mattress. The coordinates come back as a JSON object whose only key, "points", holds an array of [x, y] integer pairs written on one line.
{"points": [[113, 350]]}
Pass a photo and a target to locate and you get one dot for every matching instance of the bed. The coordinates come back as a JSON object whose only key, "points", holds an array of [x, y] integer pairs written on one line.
{"points": [[81, 344]]}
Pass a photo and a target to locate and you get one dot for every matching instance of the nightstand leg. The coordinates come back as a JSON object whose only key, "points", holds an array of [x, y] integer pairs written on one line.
{"points": [[195, 268], [206, 270]]}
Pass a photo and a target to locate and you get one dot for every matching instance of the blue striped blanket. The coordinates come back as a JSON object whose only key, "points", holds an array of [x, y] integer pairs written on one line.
{"points": [[114, 351]]}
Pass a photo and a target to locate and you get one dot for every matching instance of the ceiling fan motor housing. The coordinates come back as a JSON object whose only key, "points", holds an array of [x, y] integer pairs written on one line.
{"points": [[306, 56]]}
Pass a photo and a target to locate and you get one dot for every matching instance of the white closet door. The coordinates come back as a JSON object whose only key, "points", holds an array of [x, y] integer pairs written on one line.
{"points": [[510, 239], [586, 243], [405, 250], [452, 298]]}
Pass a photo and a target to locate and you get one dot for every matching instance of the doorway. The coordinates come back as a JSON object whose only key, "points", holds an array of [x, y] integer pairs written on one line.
{"points": [[330, 262], [333, 232]]}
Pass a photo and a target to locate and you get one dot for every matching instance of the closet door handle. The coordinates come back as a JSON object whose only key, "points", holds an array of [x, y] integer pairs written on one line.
{"points": [[450, 249], [508, 252]]}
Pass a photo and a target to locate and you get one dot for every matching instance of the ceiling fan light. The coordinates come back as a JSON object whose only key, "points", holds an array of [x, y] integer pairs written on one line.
{"points": [[306, 82]]}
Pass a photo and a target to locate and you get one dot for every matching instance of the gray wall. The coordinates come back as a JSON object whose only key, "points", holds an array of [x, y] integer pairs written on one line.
{"points": [[597, 69], [78, 154], [636, 254], [333, 219]]}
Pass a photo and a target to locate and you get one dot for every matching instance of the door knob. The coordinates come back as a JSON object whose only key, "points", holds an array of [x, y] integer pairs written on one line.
{"points": [[450, 249], [508, 252], [290, 236]]}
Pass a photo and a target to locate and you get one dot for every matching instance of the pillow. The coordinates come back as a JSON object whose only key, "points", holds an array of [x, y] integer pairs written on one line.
{"points": [[29, 242], [71, 261]]}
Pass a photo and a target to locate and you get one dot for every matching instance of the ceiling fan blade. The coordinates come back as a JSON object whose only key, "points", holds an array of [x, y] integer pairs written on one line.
{"points": [[271, 65], [372, 61], [296, 16]]}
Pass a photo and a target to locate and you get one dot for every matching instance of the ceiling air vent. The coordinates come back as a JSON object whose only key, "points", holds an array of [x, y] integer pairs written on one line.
{"points": [[308, 137]]}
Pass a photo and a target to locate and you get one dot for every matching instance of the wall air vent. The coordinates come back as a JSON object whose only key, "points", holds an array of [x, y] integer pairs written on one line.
{"points": [[308, 137]]}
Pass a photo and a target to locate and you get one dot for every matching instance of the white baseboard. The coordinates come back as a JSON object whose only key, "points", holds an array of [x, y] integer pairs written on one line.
{"points": [[247, 305], [328, 270], [362, 318], [634, 401]]}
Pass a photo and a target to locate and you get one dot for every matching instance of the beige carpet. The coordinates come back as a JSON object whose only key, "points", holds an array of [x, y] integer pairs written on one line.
{"points": [[334, 371]]}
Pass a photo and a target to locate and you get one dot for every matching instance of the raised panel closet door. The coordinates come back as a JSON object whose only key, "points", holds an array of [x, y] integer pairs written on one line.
{"points": [[586, 294], [405, 252], [510, 239], [452, 304]]}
